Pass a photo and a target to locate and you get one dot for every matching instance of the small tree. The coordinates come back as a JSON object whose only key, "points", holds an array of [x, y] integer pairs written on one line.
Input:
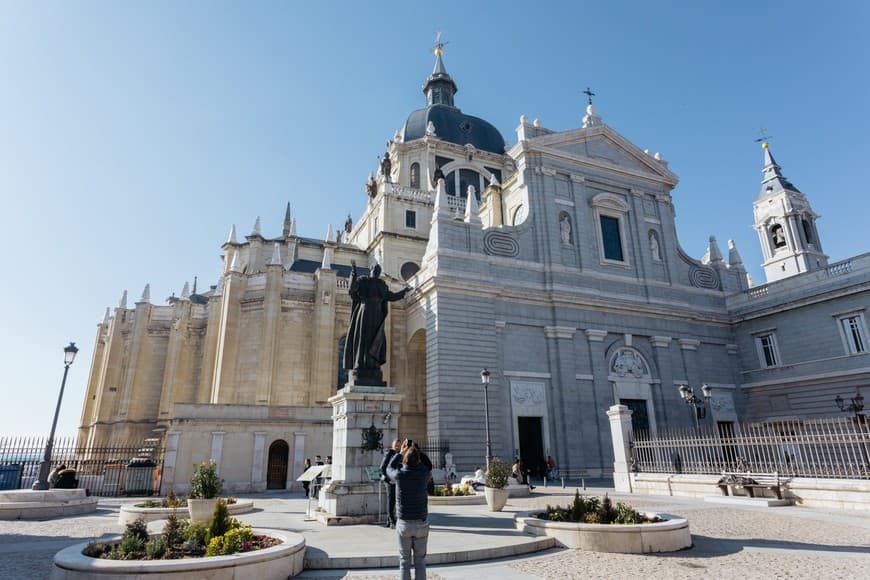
{"points": [[220, 520], [497, 474], [205, 483]]}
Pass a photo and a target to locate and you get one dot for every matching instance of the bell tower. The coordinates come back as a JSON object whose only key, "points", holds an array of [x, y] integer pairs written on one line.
{"points": [[786, 225]]}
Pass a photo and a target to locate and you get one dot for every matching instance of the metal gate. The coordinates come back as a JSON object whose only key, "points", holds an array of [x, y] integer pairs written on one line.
{"points": [[276, 472]]}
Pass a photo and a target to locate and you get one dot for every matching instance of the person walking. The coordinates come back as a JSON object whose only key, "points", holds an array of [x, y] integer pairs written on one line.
{"points": [[412, 509], [305, 467], [390, 485]]}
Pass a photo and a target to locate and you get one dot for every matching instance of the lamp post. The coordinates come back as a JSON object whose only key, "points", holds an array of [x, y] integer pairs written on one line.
{"points": [[698, 403], [41, 483], [484, 378], [856, 405]]}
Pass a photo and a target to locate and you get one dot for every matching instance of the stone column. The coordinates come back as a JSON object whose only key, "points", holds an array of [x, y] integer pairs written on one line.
{"points": [[602, 392], [298, 456], [258, 482], [217, 447], [169, 459], [620, 432], [665, 394], [563, 384]]}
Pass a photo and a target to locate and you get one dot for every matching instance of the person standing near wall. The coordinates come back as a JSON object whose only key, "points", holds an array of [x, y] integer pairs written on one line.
{"points": [[412, 509], [389, 484]]}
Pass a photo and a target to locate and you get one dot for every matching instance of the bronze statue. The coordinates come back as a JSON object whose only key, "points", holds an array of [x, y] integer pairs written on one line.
{"points": [[366, 344], [386, 166], [436, 176], [372, 186]]}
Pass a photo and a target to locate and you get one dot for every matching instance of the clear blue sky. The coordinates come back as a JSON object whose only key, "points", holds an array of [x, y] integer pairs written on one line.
{"points": [[132, 135]]}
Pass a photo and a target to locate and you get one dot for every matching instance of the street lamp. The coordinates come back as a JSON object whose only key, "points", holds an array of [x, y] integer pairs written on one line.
{"points": [[41, 483], [855, 406], [484, 378], [698, 403]]}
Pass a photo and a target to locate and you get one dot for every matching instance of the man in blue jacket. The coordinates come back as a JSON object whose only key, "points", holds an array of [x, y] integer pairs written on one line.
{"points": [[412, 509]]}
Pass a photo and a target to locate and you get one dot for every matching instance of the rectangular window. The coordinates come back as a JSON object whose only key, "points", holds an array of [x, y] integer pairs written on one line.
{"points": [[611, 238], [767, 350], [853, 332], [410, 219]]}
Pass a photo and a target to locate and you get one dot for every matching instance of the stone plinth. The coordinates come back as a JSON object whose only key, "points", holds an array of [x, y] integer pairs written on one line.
{"points": [[351, 497]]}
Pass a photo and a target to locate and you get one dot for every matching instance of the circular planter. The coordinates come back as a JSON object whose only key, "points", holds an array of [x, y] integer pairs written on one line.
{"points": [[496, 498], [130, 512], [476, 499], [277, 562], [667, 536], [201, 510]]}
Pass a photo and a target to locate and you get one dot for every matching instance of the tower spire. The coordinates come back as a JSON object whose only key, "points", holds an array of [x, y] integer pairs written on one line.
{"points": [[287, 221], [440, 87]]}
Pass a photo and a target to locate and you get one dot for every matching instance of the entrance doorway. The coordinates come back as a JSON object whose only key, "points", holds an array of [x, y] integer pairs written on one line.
{"points": [[276, 472], [531, 443], [639, 415]]}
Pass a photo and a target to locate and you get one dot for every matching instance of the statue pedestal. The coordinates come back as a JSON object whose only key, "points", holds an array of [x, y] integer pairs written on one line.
{"points": [[360, 414]]}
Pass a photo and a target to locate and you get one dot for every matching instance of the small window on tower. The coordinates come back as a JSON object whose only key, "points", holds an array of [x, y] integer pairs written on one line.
{"points": [[410, 219], [415, 175]]}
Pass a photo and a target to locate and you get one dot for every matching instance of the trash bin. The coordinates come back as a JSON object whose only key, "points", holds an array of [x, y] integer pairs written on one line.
{"points": [[140, 477], [10, 476]]}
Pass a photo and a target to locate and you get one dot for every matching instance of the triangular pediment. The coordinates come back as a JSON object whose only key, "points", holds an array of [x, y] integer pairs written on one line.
{"points": [[603, 146]]}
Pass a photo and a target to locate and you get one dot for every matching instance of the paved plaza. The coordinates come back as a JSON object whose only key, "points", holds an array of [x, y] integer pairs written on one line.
{"points": [[729, 542]]}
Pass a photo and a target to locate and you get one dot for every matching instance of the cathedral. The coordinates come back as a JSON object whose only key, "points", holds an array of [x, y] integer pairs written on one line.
{"points": [[552, 261]]}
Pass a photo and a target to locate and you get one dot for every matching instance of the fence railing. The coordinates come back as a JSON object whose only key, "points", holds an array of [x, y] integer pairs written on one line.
{"points": [[436, 450], [833, 447], [134, 468]]}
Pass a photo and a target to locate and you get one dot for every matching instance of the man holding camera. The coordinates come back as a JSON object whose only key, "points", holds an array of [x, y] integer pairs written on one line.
{"points": [[412, 508], [389, 484]]}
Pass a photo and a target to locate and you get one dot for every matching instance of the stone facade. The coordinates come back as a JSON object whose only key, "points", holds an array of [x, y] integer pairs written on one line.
{"points": [[554, 263]]}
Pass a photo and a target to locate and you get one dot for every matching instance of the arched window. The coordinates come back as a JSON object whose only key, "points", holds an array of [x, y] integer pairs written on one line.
{"points": [[408, 270], [808, 230], [415, 175], [777, 236]]}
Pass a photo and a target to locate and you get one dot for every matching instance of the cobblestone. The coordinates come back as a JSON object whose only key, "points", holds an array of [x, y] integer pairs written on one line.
{"points": [[738, 542]]}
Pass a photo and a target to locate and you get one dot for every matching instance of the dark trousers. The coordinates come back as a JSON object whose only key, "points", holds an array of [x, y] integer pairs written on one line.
{"points": [[391, 502]]}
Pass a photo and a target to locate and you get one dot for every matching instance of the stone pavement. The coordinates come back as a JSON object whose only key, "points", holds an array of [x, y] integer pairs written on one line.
{"points": [[730, 542]]}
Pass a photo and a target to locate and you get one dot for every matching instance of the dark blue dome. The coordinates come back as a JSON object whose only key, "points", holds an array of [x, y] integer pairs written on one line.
{"points": [[453, 126]]}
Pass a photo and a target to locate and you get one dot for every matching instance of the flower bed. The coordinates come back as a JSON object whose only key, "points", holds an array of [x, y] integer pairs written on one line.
{"points": [[600, 526], [187, 547], [132, 512]]}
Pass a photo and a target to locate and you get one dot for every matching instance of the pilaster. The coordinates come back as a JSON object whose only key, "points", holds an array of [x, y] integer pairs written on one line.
{"points": [[227, 348], [258, 457], [271, 324], [324, 345]]}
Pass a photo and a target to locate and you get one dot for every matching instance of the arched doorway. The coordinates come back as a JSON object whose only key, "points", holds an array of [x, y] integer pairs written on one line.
{"points": [[632, 386], [276, 472]]}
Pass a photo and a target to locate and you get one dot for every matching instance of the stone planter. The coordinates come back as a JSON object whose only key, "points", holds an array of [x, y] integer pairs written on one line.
{"points": [[201, 510], [278, 562], [496, 498], [130, 512], [667, 536]]}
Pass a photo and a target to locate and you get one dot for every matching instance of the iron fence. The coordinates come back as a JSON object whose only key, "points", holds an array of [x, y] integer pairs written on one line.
{"points": [[133, 468], [436, 450], [832, 447]]}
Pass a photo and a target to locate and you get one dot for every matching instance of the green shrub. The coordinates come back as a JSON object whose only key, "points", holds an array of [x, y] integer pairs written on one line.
{"points": [[220, 520], [625, 514], [155, 548], [205, 483], [172, 531], [215, 546], [497, 474], [131, 547], [136, 529], [196, 532]]}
